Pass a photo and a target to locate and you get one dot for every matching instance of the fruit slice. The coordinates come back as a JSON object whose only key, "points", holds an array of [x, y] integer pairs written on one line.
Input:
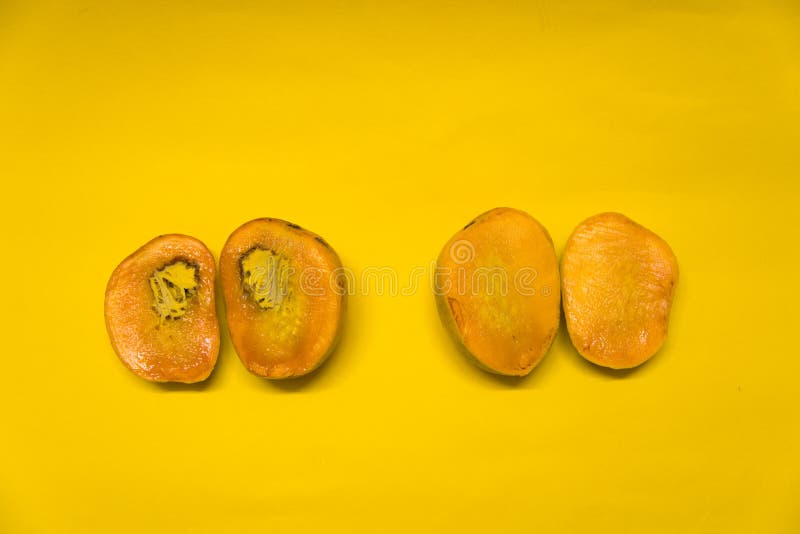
{"points": [[618, 279], [160, 310], [285, 297], [498, 290]]}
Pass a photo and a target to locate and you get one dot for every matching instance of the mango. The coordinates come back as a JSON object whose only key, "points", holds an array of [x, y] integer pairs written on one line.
{"points": [[160, 310], [618, 281], [498, 291], [285, 297]]}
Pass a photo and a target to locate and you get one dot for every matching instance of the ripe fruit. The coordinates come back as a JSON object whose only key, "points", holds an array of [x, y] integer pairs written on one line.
{"points": [[160, 310], [618, 279], [497, 290], [284, 295]]}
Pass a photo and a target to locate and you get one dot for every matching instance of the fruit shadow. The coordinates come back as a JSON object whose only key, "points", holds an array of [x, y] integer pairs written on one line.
{"points": [[299, 384]]}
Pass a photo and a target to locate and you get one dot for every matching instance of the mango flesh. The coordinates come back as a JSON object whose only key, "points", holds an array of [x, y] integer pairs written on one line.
{"points": [[160, 310], [618, 280], [497, 288], [284, 296]]}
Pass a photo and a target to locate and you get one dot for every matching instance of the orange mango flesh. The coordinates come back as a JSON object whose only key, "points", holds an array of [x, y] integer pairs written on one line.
{"points": [[160, 310], [284, 296], [618, 280], [506, 328]]}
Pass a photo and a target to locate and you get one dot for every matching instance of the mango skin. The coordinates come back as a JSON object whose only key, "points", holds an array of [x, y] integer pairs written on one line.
{"points": [[514, 235], [618, 282]]}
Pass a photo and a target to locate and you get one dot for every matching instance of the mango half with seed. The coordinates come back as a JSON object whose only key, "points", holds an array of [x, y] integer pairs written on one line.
{"points": [[497, 291], [285, 297], [160, 310], [618, 280]]}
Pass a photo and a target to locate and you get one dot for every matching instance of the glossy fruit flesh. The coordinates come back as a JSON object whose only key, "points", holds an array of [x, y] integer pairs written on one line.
{"points": [[284, 295], [160, 310]]}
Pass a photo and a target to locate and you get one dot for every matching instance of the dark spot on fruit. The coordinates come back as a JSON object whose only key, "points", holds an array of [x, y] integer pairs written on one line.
{"points": [[469, 224], [292, 225]]}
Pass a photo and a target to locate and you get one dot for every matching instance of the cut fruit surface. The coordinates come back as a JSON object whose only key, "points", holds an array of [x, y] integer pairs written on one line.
{"points": [[285, 297], [497, 290], [618, 281], [160, 310]]}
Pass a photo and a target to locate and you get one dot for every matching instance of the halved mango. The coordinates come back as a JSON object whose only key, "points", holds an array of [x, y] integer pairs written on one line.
{"points": [[497, 291], [285, 297], [618, 279], [160, 310]]}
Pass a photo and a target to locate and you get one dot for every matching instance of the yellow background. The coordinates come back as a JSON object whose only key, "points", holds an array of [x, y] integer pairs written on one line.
{"points": [[385, 127]]}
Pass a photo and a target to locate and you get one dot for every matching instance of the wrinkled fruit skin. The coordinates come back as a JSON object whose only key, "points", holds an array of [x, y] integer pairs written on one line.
{"points": [[285, 297], [160, 310], [618, 281], [509, 333]]}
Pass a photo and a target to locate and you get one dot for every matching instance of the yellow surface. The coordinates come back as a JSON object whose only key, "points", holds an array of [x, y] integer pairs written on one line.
{"points": [[385, 127]]}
